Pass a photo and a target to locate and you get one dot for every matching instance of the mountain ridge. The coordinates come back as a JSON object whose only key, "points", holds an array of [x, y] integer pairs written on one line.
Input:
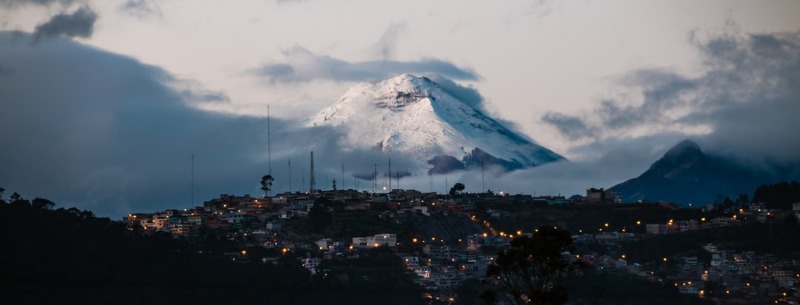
{"points": [[687, 175]]}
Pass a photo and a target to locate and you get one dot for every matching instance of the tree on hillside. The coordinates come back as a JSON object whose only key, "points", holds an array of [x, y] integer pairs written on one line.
{"points": [[266, 184], [15, 197], [42, 203], [778, 196], [318, 216], [457, 189], [532, 270]]}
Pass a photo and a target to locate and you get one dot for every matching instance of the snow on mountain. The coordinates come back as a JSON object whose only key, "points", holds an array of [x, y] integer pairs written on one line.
{"points": [[415, 116]]}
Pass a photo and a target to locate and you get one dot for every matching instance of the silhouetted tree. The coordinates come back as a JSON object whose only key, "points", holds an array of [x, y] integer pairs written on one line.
{"points": [[456, 189], [532, 270], [42, 203], [15, 197], [266, 184], [318, 215], [778, 196]]}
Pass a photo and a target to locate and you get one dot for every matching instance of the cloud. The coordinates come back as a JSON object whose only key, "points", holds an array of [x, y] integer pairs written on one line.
{"points": [[120, 137], [305, 66], [542, 8], [78, 24], [467, 94], [17, 3], [116, 139], [743, 104], [570, 126], [141, 8], [602, 165], [387, 44]]}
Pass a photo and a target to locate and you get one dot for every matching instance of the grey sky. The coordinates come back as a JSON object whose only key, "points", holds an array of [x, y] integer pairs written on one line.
{"points": [[105, 113]]}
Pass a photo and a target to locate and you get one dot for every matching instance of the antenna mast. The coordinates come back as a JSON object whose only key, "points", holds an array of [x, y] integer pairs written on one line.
{"points": [[312, 182], [290, 176], [269, 146], [192, 181], [483, 184], [375, 179], [390, 173], [343, 187]]}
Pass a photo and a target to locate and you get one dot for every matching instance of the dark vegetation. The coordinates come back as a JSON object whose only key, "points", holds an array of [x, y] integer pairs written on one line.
{"points": [[780, 237], [603, 288], [778, 196], [585, 218], [532, 270], [68, 256]]}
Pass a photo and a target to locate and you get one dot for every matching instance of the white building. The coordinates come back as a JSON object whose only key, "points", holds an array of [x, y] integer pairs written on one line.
{"points": [[377, 240]]}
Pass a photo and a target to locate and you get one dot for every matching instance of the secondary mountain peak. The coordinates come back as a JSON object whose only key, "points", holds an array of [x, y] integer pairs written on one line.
{"points": [[685, 174], [416, 116], [685, 147]]}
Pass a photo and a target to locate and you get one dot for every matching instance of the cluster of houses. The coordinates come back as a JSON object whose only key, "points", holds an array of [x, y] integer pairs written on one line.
{"points": [[731, 277], [439, 266], [755, 213], [445, 266]]}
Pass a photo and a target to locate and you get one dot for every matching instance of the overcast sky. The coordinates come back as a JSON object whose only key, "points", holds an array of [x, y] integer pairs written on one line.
{"points": [[104, 101]]}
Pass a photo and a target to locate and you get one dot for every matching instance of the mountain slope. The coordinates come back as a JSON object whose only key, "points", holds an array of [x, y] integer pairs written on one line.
{"points": [[415, 116], [685, 174]]}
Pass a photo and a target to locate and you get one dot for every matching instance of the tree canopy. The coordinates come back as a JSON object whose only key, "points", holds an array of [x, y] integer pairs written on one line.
{"points": [[533, 270]]}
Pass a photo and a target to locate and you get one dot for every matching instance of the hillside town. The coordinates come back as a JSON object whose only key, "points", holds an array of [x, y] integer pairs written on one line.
{"points": [[456, 236]]}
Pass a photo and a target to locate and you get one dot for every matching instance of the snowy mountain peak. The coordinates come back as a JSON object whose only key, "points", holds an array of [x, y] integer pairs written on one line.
{"points": [[416, 116]]}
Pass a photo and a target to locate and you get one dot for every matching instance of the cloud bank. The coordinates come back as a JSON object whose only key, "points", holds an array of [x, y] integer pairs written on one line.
{"points": [[115, 139], [120, 137], [304, 66], [743, 104], [17, 3], [78, 24]]}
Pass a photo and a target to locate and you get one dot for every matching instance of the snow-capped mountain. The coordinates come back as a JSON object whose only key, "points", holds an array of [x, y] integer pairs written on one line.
{"points": [[415, 116]]}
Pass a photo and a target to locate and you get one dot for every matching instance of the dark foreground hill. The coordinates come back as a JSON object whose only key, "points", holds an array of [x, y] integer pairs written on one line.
{"points": [[68, 256]]}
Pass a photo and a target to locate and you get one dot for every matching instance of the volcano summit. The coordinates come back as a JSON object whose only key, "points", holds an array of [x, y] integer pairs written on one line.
{"points": [[416, 116]]}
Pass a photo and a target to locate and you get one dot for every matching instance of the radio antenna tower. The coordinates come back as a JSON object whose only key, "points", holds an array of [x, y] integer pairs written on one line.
{"points": [[269, 146], [390, 174], [290, 176], [312, 183], [483, 183], [343, 187], [375, 179], [192, 181]]}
